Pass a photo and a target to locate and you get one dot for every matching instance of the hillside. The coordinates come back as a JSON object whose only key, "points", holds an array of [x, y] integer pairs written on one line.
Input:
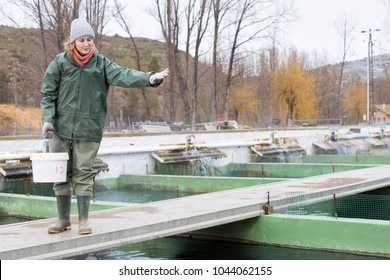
{"points": [[21, 43], [10, 114], [359, 67]]}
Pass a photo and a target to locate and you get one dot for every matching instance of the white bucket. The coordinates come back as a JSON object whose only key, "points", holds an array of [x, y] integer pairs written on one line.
{"points": [[49, 167]]}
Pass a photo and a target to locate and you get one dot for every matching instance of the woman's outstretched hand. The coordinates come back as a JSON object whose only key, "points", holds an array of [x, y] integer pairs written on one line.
{"points": [[158, 77]]}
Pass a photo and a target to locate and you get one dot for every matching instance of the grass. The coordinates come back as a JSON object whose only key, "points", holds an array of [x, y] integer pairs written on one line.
{"points": [[10, 114]]}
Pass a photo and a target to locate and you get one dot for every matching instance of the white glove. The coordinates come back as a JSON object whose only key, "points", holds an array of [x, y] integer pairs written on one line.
{"points": [[48, 130], [158, 77]]}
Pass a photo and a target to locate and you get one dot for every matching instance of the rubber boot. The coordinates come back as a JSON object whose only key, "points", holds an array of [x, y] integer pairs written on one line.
{"points": [[63, 207], [83, 207]]}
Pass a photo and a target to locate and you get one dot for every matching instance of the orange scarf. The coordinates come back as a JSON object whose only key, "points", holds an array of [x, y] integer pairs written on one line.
{"points": [[83, 59]]}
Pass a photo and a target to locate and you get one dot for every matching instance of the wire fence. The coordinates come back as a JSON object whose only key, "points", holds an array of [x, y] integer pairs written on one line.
{"points": [[358, 206]]}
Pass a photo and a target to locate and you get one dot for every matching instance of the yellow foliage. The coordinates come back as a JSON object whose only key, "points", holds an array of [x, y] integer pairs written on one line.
{"points": [[355, 102], [293, 90], [243, 103]]}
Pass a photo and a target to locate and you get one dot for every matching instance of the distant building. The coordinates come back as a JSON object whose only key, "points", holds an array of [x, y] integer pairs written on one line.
{"points": [[382, 113]]}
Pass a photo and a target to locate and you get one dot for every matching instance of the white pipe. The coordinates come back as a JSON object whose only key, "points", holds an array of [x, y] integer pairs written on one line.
{"points": [[141, 149]]}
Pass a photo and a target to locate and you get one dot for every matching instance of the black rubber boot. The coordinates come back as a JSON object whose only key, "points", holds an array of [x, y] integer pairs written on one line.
{"points": [[63, 207], [83, 207]]}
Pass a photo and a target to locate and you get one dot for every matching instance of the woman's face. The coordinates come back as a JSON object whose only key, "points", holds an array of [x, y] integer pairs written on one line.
{"points": [[84, 44]]}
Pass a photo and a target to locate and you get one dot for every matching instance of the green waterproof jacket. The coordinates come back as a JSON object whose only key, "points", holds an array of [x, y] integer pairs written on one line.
{"points": [[74, 99]]}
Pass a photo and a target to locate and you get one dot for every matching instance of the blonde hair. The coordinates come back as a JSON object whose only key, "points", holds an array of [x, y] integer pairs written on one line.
{"points": [[70, 49]]}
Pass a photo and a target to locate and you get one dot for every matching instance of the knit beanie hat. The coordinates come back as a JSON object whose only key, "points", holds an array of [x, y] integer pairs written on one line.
{"points": [[80, 28]]}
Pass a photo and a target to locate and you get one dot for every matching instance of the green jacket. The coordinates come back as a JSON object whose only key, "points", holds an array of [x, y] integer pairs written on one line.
{"points": [[74, 99]]}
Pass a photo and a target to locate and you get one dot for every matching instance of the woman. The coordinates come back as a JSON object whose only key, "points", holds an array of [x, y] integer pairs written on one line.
{"points": [[74, 93]]}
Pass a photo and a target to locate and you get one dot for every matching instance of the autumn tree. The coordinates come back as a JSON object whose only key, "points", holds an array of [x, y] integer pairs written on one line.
{"points": [[327, 91], [293, 90], [243, 105], [355, 102]]}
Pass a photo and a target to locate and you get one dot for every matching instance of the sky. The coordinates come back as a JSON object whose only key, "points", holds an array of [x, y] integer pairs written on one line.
{"points": [[313, 31], [315, 28]]}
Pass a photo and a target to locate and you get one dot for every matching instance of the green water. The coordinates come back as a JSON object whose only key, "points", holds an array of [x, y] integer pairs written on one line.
{"points": [[187, 249], [5, 220]]}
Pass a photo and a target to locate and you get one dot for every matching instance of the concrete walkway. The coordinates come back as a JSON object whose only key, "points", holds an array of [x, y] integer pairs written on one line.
{"points": [[120, 226]]}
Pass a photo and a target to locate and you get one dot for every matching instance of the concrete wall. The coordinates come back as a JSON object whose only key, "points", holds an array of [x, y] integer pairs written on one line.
{"points": [[193, 184], [132, 153], [308, 232], [347, 159], [290, 170]]}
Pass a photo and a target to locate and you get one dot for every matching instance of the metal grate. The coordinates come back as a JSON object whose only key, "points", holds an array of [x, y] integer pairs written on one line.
{"points": [[358, 206]]}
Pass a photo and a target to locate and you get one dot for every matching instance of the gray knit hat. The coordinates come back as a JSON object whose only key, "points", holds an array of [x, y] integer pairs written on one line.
{"points": [[80, 28]]}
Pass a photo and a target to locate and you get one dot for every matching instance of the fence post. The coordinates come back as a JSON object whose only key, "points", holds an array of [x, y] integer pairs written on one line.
{"points": [[267, 207]]}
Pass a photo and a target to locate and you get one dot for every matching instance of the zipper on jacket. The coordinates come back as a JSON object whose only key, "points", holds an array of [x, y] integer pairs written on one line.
{"points": [[77, 99]]}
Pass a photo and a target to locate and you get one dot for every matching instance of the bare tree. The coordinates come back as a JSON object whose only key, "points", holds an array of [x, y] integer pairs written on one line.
{"points": [[52, 16], [125, 26], [345, 30], [221, 9], [201, 21], [55, 17], [194, 18], [33, 10], [267, 66], [42, 30], [170, 18], [96, 16], [48, 16], [262, 14]]}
